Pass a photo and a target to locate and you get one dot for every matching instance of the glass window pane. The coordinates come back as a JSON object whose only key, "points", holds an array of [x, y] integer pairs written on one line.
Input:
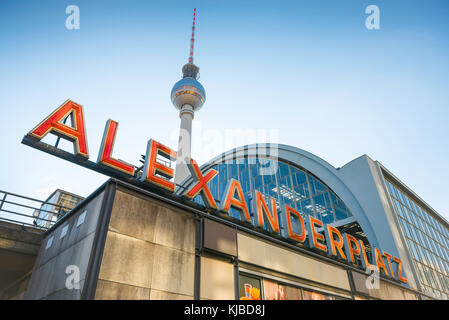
{"points": [[404, 227], [277, 291], [419, 271], [406, 200], [406, 214], [282, 170], [267, 179], [413, 250], [412, 206], [398, 210], [249, 287], [306, 207], [299, 177], [312, 295], [319, 202]]}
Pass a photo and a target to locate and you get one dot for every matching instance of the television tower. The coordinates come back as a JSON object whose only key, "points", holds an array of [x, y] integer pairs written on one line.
{"points": [[188, 96]]}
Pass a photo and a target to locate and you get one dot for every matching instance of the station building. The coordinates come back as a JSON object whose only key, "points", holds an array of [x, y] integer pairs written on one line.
{"points": [[134, 241], [257, 222]]}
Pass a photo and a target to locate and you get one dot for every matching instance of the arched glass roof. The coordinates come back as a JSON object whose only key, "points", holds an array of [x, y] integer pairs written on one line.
{"points": [[288, 184]]}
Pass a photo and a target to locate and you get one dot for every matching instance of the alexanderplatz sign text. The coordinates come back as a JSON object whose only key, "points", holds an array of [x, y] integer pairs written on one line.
{"points": [[333, 243]]}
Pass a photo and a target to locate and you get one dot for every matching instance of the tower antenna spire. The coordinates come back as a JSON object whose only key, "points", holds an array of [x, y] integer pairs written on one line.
{"points": [[188, 96], [192, 40]]}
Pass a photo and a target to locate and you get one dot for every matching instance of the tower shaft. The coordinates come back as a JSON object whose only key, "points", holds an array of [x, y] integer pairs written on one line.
{"points": [[184, 144], [188, 96]]}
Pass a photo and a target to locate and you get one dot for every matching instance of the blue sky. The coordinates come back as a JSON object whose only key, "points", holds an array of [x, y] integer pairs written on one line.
{"points": [[303, 73]]}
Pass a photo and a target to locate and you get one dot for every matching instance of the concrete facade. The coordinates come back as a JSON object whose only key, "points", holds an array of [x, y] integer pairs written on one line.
{"points": [[19, 247], [361, 185], [49, 277], [133, 244], [149, 251]]}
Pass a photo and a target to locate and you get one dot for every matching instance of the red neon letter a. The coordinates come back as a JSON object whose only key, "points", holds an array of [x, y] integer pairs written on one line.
{"points": [[76, 134]]}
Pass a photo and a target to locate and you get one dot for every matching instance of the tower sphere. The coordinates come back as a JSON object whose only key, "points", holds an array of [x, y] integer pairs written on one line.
{"points": [[188, 91]]}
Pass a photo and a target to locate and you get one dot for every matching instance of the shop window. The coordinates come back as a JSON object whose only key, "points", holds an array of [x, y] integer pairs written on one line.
{"points": [[257, 288], [313, 295], [278, 291], [249, 288]]}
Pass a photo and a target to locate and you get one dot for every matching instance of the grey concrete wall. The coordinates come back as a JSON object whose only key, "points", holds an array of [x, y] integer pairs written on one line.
{"points": [[383, 290], [19, 247], [48, 280], [217, 279], [20, 239], [149, 251], [273, 257]]}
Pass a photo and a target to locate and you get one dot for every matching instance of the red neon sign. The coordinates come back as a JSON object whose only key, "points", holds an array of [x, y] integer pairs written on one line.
{"points": [[76, 134], [345, 247], [107, 144]]}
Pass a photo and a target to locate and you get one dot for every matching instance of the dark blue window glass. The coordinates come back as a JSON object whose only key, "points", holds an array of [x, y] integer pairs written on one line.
{"points": [[306, 207], [318, 187], [282, 170], [300, 178], [327, 216], [288, 185]]}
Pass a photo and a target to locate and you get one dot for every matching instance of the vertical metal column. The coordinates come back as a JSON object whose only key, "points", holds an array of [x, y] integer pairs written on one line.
{"points": [[351, 283], [198, 251], [236, 270], [96, 255], [3, 201], [236, 279]]}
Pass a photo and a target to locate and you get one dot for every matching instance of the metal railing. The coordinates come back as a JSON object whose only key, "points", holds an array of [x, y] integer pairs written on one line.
{"points": [[26, 211]]}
